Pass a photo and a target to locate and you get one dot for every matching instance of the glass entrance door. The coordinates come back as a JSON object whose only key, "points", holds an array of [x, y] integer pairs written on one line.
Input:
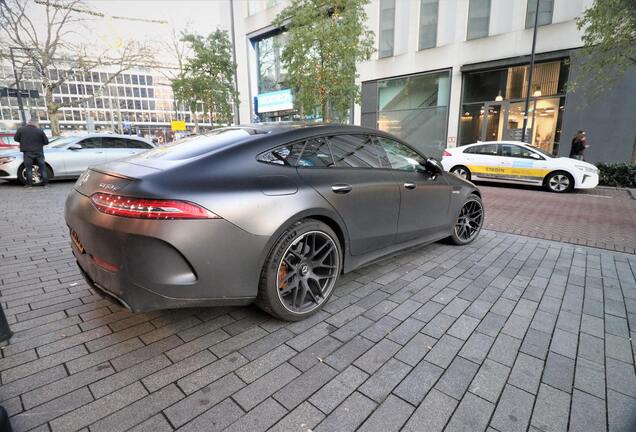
{"points": [[503, 121]]}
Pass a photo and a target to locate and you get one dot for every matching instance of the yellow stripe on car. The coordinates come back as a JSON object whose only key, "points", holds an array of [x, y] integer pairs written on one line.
{"points": [[508, 171]]}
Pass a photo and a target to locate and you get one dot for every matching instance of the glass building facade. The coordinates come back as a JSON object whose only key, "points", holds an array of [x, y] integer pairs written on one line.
{"points": [[138, 101], [493, 105]]}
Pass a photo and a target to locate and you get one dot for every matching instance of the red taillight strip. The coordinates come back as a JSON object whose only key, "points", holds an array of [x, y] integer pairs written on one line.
{"points": [[447, 153], [142, 208], [105, 264]]}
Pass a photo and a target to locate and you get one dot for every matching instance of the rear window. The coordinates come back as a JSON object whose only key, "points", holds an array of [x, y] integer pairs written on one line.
{"points": [[194, 146]]}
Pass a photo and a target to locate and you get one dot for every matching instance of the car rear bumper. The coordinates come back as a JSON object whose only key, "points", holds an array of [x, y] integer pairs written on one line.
{"points": [[158, 264]]}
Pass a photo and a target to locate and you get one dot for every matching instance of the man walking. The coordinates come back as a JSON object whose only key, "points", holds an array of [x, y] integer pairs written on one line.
{"points": [[579, 144], [32, 140]]}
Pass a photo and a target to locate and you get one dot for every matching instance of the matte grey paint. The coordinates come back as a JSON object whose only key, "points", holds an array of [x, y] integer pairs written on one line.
{"points": [[178, 263]]}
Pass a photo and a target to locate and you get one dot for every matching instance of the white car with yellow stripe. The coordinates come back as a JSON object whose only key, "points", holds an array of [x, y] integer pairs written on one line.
{"points": [[516, 162]]}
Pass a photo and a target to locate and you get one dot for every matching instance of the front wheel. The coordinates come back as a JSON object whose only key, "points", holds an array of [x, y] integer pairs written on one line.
{"points": [[469, 221], [35, 173], [301, 271], [559, 182]]}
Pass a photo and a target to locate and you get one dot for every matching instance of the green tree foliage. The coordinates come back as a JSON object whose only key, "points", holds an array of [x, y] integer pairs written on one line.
{"points": [[207, 76], [325, 39], [610, 43]]}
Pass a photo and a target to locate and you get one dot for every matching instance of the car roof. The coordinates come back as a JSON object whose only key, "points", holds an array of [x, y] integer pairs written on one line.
{"points": [[497, 142], [311, 127]]}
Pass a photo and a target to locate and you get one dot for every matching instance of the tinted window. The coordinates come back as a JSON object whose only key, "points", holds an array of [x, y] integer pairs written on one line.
{"points": [[113, 143], [357, 151], [486, 149], [400, 156], [136, 144], [197, 145], [316, 154], [90, 143], [516, 151], [283, 155]]}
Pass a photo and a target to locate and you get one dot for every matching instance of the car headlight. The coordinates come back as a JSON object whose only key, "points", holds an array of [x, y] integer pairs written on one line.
{"points": [[586, 169], [6, 159]]}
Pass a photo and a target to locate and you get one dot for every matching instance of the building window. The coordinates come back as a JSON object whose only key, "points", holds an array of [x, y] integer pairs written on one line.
{"points": [[428, 23], [387, 27], [270, 69], [478, 19], [415, 108], [545, 12]]}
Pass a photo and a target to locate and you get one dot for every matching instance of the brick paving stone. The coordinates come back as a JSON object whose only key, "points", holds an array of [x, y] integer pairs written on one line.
{"points": [[259, 367], [618, 348], [303, 386], [621, 412], [348, 415], [339, 388], [439, 325], [304, 418], [418, 382], [432, 414], [203, 400], [405, 331], [587, 413], [416, 349], [237, 342], [536, 344], [471, 415], [490, 380], [389, 416], [457, 377], [315, 353], [348, 353], [177, 370], [476, 347], [513, 410], [374, 358], [620, 377], [380, 328], [526, 373], [156, 423], [463, 327], [259, 419], [122, 379], [265, 386], [551, 410], [444, 351], [590, 377], [42, 363], [210, 373]]}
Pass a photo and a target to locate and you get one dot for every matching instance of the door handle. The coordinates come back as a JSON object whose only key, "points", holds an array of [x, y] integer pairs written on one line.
{"points": [[410, 185], [341, 188]]}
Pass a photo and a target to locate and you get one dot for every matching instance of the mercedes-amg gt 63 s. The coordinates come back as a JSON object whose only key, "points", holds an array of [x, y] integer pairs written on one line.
{"points": [[260, 213]]}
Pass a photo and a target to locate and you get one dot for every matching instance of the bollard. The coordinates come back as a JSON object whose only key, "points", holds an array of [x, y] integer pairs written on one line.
{"points": [[5, 331]]}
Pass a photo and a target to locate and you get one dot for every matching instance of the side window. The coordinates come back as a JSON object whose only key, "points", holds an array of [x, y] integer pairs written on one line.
{"points": [[400, 156], [486, 149], [316, 154], [511, 150], [287, 154], [91, 143], [113, 143], [136, 144], [357, 151]]}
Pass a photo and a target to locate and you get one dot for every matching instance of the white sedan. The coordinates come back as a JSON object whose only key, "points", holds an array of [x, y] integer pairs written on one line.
{"points": [[516, 162]]}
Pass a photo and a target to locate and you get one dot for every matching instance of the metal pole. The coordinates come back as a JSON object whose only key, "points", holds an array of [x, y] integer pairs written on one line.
{"points": [[237, 118], [17, 86], [534, 44]]}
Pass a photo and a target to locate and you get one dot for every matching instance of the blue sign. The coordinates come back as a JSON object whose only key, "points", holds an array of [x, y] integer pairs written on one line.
{"points": [[280, 100]]}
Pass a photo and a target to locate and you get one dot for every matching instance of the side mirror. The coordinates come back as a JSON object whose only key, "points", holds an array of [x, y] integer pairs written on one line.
{"points": [[75, 147], [433, 167]]}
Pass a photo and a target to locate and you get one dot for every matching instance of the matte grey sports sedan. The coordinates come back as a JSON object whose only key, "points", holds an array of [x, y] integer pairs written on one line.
{"points": [[260, 213], [68, 157]]}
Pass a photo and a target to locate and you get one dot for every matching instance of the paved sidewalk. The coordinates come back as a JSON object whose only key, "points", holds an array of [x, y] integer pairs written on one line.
{"points": [[603, 217], [510, 333]]}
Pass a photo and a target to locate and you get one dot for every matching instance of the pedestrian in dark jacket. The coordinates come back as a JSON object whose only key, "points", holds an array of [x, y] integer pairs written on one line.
{"points": [[579, 144], [32, 140]]}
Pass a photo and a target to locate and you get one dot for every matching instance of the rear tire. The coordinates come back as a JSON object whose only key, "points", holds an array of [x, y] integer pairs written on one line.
{"points": [[469, 221], [559, 182], [300, 271], [461, 171], [36, 169]]}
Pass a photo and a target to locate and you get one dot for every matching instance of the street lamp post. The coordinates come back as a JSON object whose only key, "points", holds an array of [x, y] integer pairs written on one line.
{"points": [[529, 88], [237, 118], [17, 84]]}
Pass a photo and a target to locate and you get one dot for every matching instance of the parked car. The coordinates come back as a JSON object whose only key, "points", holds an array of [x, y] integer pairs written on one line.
{"points": [[7, 141], [68, 157], [519, 163], [271, 214]]}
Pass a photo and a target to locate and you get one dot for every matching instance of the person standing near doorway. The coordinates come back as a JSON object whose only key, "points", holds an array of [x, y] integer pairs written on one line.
{"points": [[32, 140], [579, 144]]}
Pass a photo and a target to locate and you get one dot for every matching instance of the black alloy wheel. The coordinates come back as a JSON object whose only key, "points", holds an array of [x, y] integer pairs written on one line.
{"points": [[469, 221], [301, 271]]}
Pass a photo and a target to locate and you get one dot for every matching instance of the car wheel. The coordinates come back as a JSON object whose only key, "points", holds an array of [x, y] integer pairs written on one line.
{"points": [[37, 177], [461, 171], [469, 221], [301, 271], [559, 182]]}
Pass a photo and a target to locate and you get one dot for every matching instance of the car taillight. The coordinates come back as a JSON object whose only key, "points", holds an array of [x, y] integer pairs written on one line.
{"points": [[447, 153], [142, 208]]}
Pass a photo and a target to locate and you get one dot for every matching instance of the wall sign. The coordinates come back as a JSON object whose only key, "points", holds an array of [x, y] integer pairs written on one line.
{"points": [[280, 100]]}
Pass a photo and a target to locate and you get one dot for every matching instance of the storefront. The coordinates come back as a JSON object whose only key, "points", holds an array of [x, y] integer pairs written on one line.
{"points": [[493, 104], [414, 108]]}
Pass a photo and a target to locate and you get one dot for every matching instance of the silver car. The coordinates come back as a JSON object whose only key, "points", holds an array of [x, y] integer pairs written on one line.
{"points": [[68, 157]]}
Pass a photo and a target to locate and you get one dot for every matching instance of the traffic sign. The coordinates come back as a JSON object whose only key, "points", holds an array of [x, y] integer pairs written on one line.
{"points": [[177, 125]]}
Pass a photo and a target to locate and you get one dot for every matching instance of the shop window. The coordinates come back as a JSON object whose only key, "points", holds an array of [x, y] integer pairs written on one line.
{"points": [[387, 28], [478, 19], [428, 23], [270, 69], [546, 8]]}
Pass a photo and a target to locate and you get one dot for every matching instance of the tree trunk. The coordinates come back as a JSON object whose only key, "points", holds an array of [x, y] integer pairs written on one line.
{"points": [[53, 112]]}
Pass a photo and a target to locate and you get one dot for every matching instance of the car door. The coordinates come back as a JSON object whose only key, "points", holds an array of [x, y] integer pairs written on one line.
{"points": [[424, 197], [115, 148], [350, 173], [76, 160], [522, 165], [484, 162]]}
